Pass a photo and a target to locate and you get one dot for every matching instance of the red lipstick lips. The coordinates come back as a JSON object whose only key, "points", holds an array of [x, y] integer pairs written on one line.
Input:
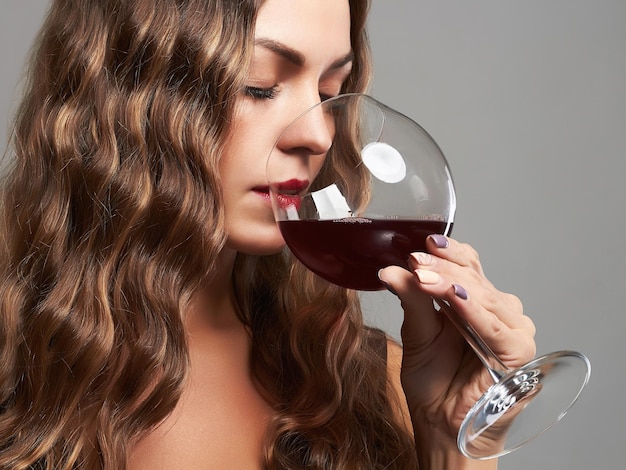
{"points": [[292, 186], [288, 192]]}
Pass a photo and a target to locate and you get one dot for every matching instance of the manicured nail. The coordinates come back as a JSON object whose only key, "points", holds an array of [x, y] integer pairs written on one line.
{"points": [[427, 277], [386, 284], [460, 292], [422, 258], [440, 240]]}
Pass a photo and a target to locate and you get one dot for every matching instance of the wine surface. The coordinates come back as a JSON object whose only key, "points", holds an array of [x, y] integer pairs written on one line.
{"points": [[349, 252]]}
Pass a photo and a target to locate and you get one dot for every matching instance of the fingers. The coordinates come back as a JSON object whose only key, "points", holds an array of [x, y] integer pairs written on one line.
{"points": [[511, 341], [421, 321], [456, 263], [460, 254], [452, 271]]}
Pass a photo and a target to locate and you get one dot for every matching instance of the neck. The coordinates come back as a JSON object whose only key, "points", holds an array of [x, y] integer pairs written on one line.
{"points": [[213, 307]]}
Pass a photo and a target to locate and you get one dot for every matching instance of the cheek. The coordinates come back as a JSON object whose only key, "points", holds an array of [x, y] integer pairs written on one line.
{"points": [[249, 142], [237, 154], [249, 221]]}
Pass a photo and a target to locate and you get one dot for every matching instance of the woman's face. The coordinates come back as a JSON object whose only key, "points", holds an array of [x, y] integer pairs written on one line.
{"points": [[302, 55]]}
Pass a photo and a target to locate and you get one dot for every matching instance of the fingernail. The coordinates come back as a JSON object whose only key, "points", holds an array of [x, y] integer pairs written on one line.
{"points": [[421, 258], [386, 284], [460, 292], [440, 240], [427, 277]]}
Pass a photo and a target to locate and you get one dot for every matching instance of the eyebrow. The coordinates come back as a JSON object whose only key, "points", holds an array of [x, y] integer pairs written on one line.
{"points": [[296, 57]]}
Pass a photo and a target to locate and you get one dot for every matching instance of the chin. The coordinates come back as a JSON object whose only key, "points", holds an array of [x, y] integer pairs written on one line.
{"points": [[258, 244]]}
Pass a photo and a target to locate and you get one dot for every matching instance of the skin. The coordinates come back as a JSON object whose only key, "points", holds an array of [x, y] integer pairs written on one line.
{"points": [[279, 90], [440, 376], [221, 419]]}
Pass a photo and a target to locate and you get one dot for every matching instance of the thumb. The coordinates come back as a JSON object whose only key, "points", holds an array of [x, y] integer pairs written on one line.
{"points": [[422, 323]]}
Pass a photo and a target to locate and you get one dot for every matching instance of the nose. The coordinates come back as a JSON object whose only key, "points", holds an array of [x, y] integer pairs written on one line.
{"points": [[311, 133]]}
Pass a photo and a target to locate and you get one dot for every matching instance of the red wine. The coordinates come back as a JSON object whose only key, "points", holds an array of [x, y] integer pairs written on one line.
{"points": [[349, 252]]}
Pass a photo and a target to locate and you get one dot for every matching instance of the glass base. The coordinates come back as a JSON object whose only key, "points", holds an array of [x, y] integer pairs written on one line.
{"points": [[523, 404]]}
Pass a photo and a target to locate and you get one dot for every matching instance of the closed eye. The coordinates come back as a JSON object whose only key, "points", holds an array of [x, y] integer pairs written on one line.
{"points": [[260, 93]]}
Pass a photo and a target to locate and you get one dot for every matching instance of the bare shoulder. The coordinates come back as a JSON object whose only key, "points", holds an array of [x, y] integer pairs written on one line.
{"points": [[394, 357], [395, 391]]}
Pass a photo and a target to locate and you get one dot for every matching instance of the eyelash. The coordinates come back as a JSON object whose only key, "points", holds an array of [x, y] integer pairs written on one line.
{"points": [[259, 93]]}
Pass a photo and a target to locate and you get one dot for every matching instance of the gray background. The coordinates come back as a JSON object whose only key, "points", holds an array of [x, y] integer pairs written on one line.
{"points": [[528, 101]]}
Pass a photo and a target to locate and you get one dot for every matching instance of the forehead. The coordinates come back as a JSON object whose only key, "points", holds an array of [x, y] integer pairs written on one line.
{"points": [[315, 27]]}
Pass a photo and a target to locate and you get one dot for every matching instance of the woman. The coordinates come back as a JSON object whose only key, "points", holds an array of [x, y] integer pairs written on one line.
{"points": [[149, 316]]}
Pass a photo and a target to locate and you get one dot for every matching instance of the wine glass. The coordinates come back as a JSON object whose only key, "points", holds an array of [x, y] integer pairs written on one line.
{"points": [[356, 186]]}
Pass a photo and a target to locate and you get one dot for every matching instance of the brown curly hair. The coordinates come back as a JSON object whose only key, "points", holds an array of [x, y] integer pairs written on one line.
{"points": [[111, 218]]}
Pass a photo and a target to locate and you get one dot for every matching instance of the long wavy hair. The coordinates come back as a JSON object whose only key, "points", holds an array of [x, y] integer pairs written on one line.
{"points": [[111, 219]]}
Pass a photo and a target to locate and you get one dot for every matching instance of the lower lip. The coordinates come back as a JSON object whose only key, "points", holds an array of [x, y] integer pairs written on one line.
{"points": [[283, 200]]}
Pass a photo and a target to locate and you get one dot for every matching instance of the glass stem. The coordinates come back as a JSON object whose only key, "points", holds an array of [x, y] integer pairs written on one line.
{"points": [[490, 360]]}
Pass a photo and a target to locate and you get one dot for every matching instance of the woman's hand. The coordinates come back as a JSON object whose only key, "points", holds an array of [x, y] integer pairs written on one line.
{"points": [[441, 376]]}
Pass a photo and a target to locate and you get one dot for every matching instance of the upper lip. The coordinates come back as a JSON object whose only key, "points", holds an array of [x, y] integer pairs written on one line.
{"points": [[292, 186]]}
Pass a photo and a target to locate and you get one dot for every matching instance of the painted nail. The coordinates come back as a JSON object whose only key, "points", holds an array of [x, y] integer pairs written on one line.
{"points": [[421, 258], [427, 277], [440, 240], [460, 292], [386, 284]]}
